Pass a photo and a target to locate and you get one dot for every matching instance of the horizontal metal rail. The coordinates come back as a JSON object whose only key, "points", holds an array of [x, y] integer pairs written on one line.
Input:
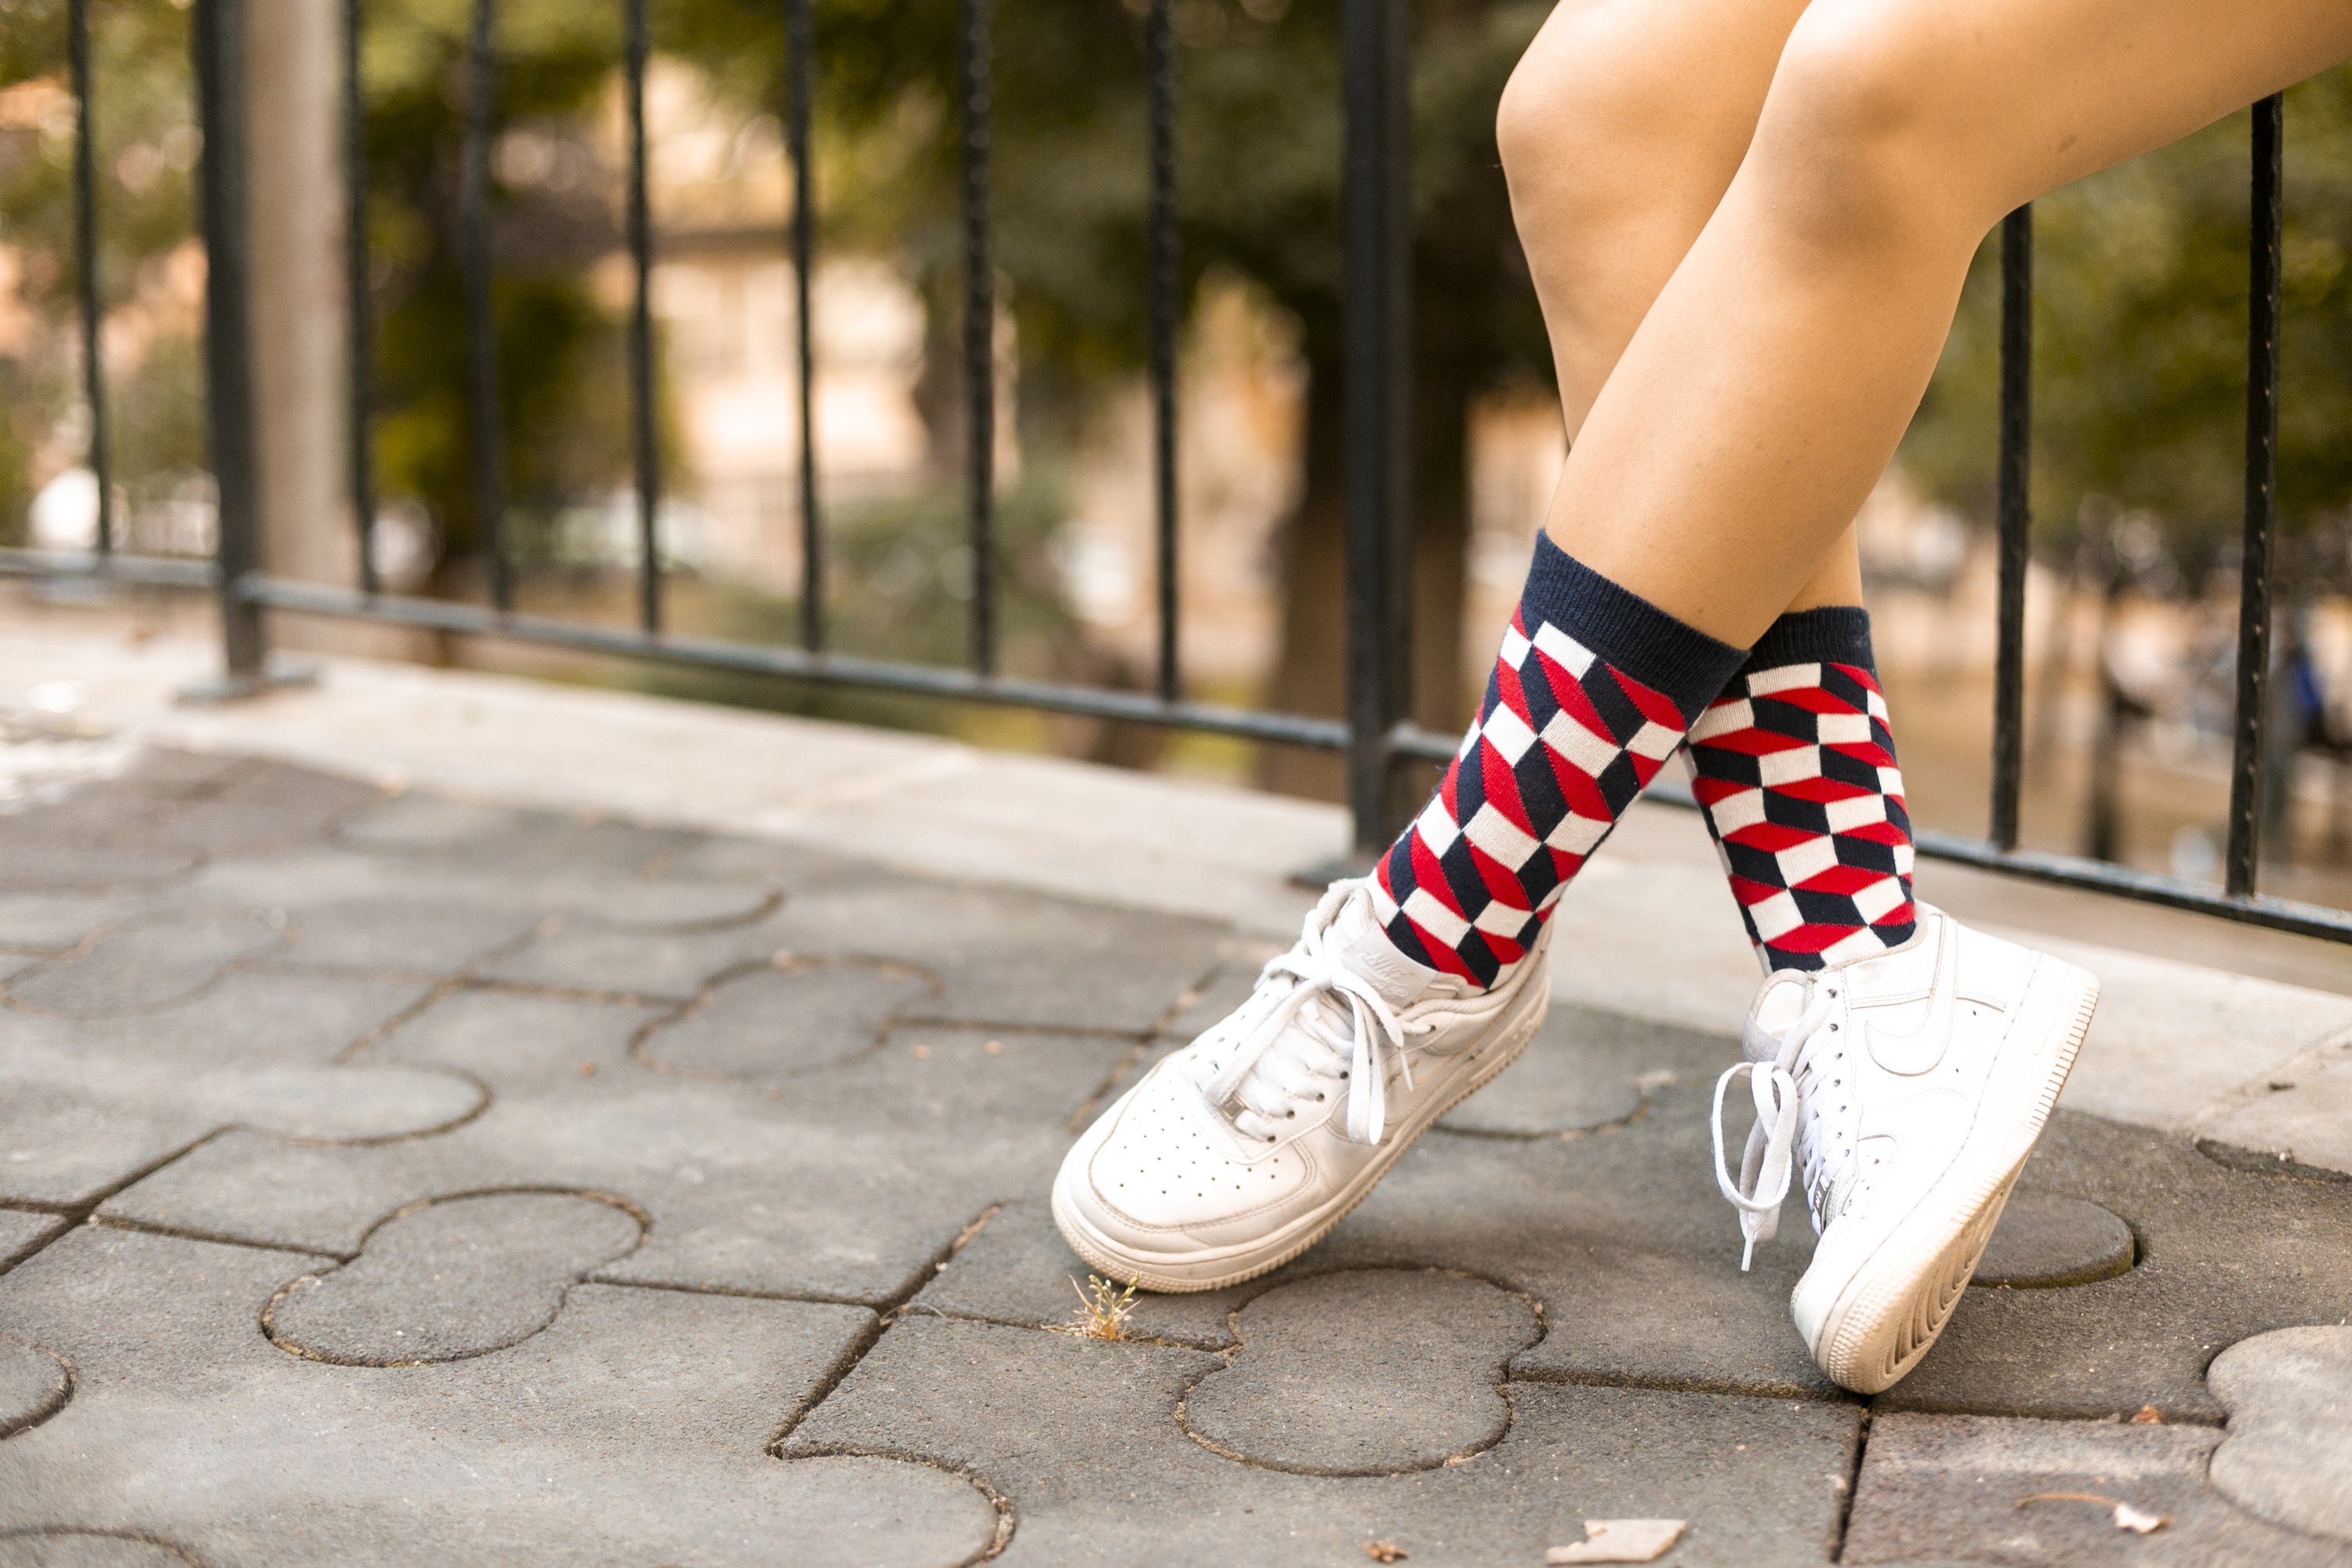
{"points": [[2065, 870], [795, 663], [1376, 737], [112, 566]]}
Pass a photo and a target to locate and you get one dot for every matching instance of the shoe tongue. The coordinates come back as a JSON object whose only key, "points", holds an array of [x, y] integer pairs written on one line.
{"points": [[1778, 1007], [1369, 953]]}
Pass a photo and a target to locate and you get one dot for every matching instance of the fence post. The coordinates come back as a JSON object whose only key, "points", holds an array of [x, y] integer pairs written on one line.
{"points": [[218, 39], [1378, 228], [2243, 865], [2016, 521]]}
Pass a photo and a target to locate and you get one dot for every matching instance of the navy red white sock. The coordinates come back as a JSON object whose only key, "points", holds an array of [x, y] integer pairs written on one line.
{"points": [[1794, 766], [1591, 693]]}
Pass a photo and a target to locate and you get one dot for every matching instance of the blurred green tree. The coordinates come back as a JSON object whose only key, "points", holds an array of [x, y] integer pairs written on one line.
{"points": [[1258, 171], [2140, 351], [561, 390], [146, 147]]}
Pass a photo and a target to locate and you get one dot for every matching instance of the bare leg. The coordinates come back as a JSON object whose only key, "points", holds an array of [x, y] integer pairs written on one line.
{"points": [[1770, 383], [1621, 129]]}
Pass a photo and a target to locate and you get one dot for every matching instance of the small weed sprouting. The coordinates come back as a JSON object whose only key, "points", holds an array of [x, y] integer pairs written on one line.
{"points": [[1103, 1309]]}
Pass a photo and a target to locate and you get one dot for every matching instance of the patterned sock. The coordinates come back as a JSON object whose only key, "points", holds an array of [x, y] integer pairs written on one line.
{"points": [[1591, 694], [1795, 768]]}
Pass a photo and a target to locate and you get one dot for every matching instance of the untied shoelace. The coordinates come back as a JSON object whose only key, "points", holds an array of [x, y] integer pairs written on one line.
{"points": [[1773, 1070]]}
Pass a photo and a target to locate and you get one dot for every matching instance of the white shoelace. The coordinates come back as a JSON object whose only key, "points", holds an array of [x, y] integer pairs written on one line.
{"points": [[1277, 1067], [1787, 1119]]}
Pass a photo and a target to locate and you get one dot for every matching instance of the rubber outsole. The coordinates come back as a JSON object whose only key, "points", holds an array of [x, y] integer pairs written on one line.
{"points": [[1871, 1340], [1308, 1229]]}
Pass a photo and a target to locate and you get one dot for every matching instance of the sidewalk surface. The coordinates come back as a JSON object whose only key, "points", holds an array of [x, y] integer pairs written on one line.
{"points": [[451, 1119]]}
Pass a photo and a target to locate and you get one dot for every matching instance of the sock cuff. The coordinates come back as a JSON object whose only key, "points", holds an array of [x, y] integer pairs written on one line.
{"points": [[1832, 634], [1672, 658]]}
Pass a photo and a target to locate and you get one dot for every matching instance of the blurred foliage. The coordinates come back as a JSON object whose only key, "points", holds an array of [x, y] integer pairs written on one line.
{"points": [[2141, 351], [2140, 323], [562, 392], [146, 149], [901, 575], [562, 388], [899, 584]]}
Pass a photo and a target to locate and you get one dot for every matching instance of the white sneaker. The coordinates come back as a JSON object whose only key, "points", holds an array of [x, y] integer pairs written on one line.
{"points": [[1909, 1086], [1238, 1152]]}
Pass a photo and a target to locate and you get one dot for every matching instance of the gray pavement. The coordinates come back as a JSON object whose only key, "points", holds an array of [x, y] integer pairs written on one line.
{"points": [[386, 1177]]}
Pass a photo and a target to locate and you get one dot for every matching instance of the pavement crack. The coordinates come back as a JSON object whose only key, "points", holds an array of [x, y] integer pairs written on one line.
{"points": [[1550, 1135], [85, 1210], [1853, 1484], [217, 1238], [1580, 1378], [871, 1334], [740, 1292]]}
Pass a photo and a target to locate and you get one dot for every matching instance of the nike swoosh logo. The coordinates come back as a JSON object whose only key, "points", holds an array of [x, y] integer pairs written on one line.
{"points": [[1919, 1051]]}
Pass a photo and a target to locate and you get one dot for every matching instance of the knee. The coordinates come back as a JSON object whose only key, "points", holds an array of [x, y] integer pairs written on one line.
{"points": [[1874, 128], [1584, 109]]}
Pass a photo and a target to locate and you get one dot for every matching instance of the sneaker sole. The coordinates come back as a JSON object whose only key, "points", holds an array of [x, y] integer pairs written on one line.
{"points": [[1231, 1266], [1899, 1302]]}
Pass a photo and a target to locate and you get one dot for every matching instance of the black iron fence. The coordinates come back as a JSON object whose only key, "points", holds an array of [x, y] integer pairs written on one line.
{"points": [[1377, 738]]}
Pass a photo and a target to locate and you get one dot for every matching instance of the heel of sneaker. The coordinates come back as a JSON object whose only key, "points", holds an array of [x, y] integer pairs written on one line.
{"points": [[1875, 1341]]}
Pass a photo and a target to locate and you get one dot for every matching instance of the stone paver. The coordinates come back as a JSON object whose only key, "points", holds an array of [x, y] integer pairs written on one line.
{"points": [[33, 1386], [1587, 1068], [1083, 1438], [37, 925], [1365, 1374], [87, 1549], [457, 1279], [2046, 1240], [1001, 956], [87, 1106], [1600, 1229], [844, 1181], [1949, 1489], [143, 965], [1598, 1226], [2225, 1254], [407, 1178], [839, 1008], [2301, 1114], [633, 1429], [2288, 1455], [22, 1231]]}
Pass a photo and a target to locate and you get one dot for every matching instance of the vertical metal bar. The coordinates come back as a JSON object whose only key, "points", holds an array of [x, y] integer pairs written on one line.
{"points": [[89, 297], [2016, 520], [359, 303], [218, 40], [647, 453], [979, 330], [1376, 218], [486, 428], [799, 112], [1167, 309], [2261, 497]]}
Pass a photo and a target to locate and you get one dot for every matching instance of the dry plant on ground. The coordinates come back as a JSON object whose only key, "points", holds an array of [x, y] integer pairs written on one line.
{"points": [[1103, 1309]]}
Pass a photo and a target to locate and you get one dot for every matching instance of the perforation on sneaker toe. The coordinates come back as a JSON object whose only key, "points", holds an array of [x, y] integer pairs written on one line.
{"points": [[1170, 1162]]}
